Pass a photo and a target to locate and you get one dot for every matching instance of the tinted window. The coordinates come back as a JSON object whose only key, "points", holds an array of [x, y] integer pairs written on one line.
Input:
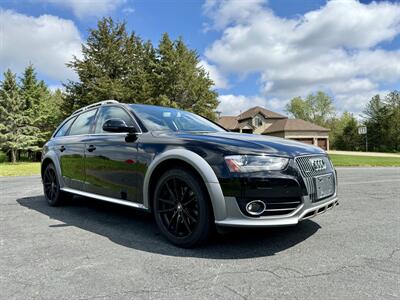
{"points": [[112, 112], [83, 123], [157, 118], [63, 130]]}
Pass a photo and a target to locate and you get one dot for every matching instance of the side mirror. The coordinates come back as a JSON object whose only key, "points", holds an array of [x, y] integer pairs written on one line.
{"points": [[117, 125]]}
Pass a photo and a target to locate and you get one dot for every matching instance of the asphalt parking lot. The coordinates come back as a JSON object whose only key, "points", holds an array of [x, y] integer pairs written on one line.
{"points": [[96, 250]]}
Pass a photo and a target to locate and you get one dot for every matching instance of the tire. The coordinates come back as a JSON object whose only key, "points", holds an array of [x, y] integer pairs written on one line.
{"points": [[51, 187], [181, 208]]}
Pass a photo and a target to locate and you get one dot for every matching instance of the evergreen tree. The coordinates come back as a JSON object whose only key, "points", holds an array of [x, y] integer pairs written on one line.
{"points": [[383, 122], [117, 65], [347, 137], [393, 103], [181, 81], [16, 129], [377, 123], [103, 67], [40, 106]]}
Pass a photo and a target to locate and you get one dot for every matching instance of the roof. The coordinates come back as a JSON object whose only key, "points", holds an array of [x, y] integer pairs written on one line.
{"points": [[252, 112], [245, 124], [293, 125], [231, 122], [228, 122]]}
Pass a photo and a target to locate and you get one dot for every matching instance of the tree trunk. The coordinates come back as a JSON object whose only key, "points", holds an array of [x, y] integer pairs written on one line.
{"points": [[13, 155]]}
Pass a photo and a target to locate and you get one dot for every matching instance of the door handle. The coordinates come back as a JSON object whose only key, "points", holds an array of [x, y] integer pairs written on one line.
{"points": [[62, 148], [91, 148]]}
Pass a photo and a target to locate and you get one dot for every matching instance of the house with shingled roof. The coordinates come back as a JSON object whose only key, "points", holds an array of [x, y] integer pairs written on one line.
{"points": [[259, 120]]}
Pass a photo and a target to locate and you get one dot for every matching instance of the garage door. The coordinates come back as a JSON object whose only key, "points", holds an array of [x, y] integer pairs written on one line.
{"points": [[307, 141], [323, 143]]}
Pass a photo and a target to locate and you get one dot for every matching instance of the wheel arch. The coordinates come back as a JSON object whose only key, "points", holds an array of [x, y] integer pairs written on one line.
{"points": [[195, 163], [51, 157]]}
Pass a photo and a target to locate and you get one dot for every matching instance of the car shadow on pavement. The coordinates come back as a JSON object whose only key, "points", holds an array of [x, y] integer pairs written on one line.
{"points": [[137, 230]]}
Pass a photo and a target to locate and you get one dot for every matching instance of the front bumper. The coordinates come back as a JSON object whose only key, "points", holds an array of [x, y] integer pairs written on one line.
{"points": [[308, 209]]}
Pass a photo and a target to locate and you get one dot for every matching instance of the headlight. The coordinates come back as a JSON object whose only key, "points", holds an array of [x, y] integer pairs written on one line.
{"points": [[255, 163]]}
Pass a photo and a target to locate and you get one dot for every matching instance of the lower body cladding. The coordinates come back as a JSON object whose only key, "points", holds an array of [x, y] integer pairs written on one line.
{"points": [[308, 209], [279, 201]]}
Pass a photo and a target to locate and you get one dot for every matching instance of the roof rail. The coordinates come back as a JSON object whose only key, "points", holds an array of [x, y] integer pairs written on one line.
{"points": [[94, 105]]}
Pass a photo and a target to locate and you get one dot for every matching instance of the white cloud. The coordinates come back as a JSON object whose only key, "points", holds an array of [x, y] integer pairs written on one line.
{"points": [[220, 81], [86, 8], [128, 10], [235, 104], [336, 48], [355, 102], [48, 42], [224, 12]]}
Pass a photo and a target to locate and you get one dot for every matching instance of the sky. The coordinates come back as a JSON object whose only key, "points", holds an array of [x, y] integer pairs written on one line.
{"points": [[258, 52]]}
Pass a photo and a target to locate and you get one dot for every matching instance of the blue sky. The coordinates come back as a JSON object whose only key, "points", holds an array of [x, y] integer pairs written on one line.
{"points": [[258, 52]]}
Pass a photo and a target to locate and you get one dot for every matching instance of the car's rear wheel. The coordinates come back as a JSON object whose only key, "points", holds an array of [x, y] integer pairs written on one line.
{"points": [[181, 208], [51, 187]]}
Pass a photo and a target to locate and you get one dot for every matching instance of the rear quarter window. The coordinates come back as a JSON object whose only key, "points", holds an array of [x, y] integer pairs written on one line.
{"points": [[83, 123], [64, 128]]}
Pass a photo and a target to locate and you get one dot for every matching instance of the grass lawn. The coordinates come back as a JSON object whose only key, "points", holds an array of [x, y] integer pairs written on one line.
{"points": [[364, 161], [20, 169]]}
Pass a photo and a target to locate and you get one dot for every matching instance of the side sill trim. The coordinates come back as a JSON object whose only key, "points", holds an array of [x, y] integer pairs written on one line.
{"points": [[104, 198]]}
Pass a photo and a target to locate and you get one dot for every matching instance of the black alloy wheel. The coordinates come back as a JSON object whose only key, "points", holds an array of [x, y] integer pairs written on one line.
{"points": [[51, 187], [181, 208]]}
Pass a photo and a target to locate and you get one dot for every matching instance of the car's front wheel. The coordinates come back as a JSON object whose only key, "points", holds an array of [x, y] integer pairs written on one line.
{"points": [[181, 208], [51, 187]]}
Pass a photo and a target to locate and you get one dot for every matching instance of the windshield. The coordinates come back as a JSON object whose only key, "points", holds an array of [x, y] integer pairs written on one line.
{"points": [[157, 118]]}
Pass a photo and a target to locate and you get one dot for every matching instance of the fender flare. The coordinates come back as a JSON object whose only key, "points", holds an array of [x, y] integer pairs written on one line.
{"points": [[204, 170], [52, 156]]}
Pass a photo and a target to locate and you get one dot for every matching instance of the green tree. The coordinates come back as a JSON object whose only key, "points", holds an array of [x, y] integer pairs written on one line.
{"points": [[41, 106], [383, 123], [180, 80], [336, 126], [104, 67], [317, 108], [16, 129], [377, 123], [393, 103], [117, 65], [346, 135]]}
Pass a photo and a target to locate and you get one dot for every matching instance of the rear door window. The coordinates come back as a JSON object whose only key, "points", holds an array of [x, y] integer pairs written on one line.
{"points": [[83, 123]]}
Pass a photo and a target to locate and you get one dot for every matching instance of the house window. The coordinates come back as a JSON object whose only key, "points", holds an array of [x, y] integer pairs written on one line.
{"points": [[258, 122]]}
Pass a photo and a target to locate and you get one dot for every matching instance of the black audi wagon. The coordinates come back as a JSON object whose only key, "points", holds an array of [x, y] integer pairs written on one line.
{"points": [[189, 172]]}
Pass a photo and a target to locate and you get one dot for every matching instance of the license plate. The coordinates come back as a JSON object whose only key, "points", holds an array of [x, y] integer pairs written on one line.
{"points": [[324, 185]]}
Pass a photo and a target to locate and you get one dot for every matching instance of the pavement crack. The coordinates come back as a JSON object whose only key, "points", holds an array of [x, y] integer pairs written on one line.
{"points": [[235, 292]]}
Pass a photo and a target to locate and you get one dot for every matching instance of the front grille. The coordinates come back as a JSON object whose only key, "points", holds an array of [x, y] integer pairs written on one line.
{"points": [[273, 206], [307, 169], [308, 173]]}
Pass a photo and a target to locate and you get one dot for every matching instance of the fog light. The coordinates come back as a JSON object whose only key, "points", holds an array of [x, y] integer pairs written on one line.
{"points": [[255, 207]]}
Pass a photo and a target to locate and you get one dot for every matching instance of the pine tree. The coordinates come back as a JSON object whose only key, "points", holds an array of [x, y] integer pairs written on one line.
{"points": [[39, 106], [182, 81], [347, 137], [16, 129], [393, 103], [110, 67], [117, 65]]}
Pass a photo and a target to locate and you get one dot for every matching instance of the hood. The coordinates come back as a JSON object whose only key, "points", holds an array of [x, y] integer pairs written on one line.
{"points": [[241, 143]]}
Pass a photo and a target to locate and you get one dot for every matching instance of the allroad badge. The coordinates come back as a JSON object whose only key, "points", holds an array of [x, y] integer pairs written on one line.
{"points": [[318, 164]]}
